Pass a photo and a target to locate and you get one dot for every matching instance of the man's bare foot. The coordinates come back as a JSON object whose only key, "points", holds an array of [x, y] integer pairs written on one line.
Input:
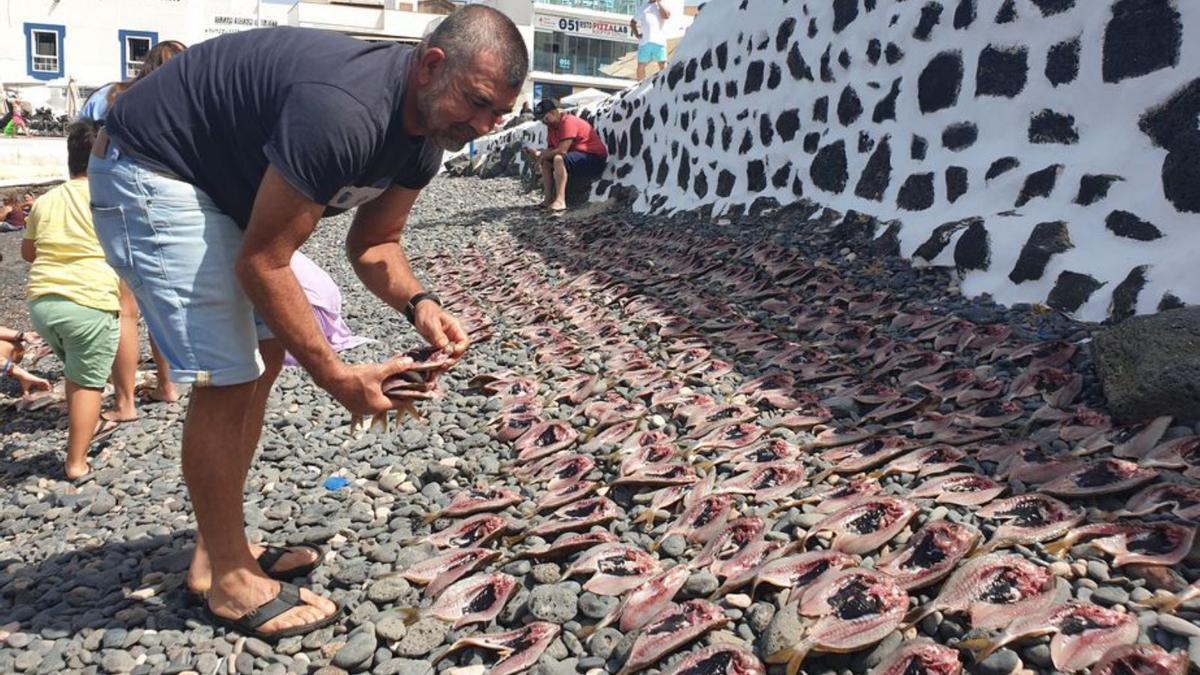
{"points": [[77, 471], [199, 578], [119, 416], [545, 204], [557, 206], [164, 394], [238, 594]]}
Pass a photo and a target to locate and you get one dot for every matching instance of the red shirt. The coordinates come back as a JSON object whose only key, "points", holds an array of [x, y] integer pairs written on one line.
{"points": [[583, 137]]}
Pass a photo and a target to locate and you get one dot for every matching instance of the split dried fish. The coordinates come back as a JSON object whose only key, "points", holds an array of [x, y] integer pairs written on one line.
{"points": [[866, 525], [670, 629]]}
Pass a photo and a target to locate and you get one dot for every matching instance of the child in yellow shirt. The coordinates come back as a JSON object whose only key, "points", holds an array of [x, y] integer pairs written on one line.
{"points": [[73, 295]]}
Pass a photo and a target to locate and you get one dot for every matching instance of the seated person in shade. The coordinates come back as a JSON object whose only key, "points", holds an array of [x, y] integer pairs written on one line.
{"points": [[13, 344], [575, 151]]}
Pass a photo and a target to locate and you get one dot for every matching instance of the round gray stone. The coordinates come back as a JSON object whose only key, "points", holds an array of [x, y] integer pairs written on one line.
{"points": [[554, 603], [357, 650], [421, 638], [390, 626], [701, 584]]}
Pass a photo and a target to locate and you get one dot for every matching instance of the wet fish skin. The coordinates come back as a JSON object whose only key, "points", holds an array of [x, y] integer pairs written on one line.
{"points": [[1140, 660], [719, 659], [993, 589], [519, 649], [921, 656], [930, 555], [867, 524], [671, 628]]}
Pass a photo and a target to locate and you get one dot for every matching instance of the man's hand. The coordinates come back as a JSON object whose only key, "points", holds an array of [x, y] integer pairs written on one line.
{"points": [[440, 329], [360, 387]]}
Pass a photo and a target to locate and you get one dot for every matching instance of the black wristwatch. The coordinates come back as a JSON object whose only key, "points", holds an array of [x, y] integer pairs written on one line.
{"points": [[410, 310]]}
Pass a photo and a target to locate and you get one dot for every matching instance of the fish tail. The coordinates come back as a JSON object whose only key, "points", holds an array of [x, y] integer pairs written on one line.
{"points": [[796, 659], [915, 616], [409, 615], [876, 474], [379, 420], [356, 422], [1165, 604], [655, 546], [982, 550], [982, 647], [515, 539], [1057, 548], [822, 476], [705, 466], [646, 518], [430, 517]]}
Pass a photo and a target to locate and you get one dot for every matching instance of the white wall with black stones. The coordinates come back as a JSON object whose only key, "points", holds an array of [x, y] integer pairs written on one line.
{"points": [[1047, 149]]}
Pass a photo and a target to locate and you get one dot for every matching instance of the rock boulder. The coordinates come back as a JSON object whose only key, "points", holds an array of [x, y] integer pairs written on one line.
{"points": [[1150, 365]]}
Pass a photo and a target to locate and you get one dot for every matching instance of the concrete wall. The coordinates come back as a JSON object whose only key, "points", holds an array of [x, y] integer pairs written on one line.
{"points": [[1048, 149]]}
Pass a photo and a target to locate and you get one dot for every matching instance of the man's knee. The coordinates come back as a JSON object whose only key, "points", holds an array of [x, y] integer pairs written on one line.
{"points": [[559, 161]]}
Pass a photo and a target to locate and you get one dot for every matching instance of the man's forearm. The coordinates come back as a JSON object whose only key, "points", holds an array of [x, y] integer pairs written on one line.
{"points": [[281, 302], [383, 268]]}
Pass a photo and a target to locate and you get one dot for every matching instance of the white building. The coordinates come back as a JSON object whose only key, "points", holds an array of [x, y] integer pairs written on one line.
{"points": [[100, 41]]}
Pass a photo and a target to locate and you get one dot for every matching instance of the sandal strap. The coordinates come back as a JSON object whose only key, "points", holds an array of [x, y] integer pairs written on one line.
{"points": [[270, 556], [288, 598]]}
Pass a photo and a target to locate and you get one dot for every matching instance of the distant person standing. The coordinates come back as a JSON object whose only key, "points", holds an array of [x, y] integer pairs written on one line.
{"points": [[649, 26]]}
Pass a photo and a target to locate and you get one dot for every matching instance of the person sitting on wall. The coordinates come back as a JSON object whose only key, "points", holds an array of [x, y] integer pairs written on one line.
{"points": [[575, 151], [649, 26]]}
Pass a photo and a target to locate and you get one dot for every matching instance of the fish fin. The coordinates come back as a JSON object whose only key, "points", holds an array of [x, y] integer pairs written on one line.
{"points": [[981, 551], [1165, 604], [1058, 549], [822, 476], [655, 546], [705, 466], [915, 615], [646, 519], [379, 420], [515, 539], [876, 474], [797, 659], [982, 647], [410, 615], [430, 517]]}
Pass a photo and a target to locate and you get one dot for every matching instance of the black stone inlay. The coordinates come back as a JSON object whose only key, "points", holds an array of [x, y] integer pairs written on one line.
{"points": [[1002, 72], [1039, 184], [956, 183], [663, 171], [964, 16], [725, 181], [1052, 7], [1125, 224], [918, 148], [1062, 62], [1170, 301], [1071, 290], [726, 138], [886, 108], [1001, 166], [700, 185], [828, 170], [811, 141], [674, 75], [722, 56], [1046, 240], [754, 77], [1175, 118], [1049, 126], [1141, 37], [849, 107], [782, 175], [1094, 188], [1181, 174], [874, 51], [938, 239], [877, 174], [893, 54], [917, 192], [787, 124], [683, 177], [1007, 12], [973, 252], [756, 176], [865, 142], [1125, 295], [747, 142], [797, 65], [786, 28], [797, 186], [766, 130], [826, 71], [775, 78], [821, 109], [940, 82], [931, 14], [844, 59], [844, 13], [960, 136]]}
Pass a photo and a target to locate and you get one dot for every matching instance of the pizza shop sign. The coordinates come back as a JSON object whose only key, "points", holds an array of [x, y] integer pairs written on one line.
{"points": [[585, 27]]}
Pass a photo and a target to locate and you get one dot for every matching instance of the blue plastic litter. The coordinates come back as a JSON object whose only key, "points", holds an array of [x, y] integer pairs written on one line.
{"points": [[335, 483]]}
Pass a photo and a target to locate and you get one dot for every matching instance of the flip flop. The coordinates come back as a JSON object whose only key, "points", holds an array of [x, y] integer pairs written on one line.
{"points": [[288, 598], [272, 554], [105, 428]]}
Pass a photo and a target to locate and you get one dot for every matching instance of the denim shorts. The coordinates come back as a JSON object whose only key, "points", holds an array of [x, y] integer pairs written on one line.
{"points": [[175, 249], [651, 52]]}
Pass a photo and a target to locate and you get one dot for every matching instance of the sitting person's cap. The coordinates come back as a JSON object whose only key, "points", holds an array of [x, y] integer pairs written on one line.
{"points": [[544, 106]]}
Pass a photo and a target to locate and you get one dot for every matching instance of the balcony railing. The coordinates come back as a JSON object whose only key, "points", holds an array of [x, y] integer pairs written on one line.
{"points": [[612, 6]]}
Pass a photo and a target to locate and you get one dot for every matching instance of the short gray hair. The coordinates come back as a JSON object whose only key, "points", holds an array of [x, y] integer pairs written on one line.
{"points": [[476, 28]]}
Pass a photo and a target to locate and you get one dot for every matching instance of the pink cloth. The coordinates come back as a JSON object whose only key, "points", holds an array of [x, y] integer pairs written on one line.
{"points": [[326, 300]]}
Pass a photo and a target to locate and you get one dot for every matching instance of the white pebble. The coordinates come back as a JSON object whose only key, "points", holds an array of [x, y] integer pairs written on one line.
{"points": [[739, 600]]}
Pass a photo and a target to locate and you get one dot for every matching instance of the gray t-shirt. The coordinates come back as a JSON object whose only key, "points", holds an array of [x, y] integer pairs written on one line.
{"points": [[324, 109]]}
